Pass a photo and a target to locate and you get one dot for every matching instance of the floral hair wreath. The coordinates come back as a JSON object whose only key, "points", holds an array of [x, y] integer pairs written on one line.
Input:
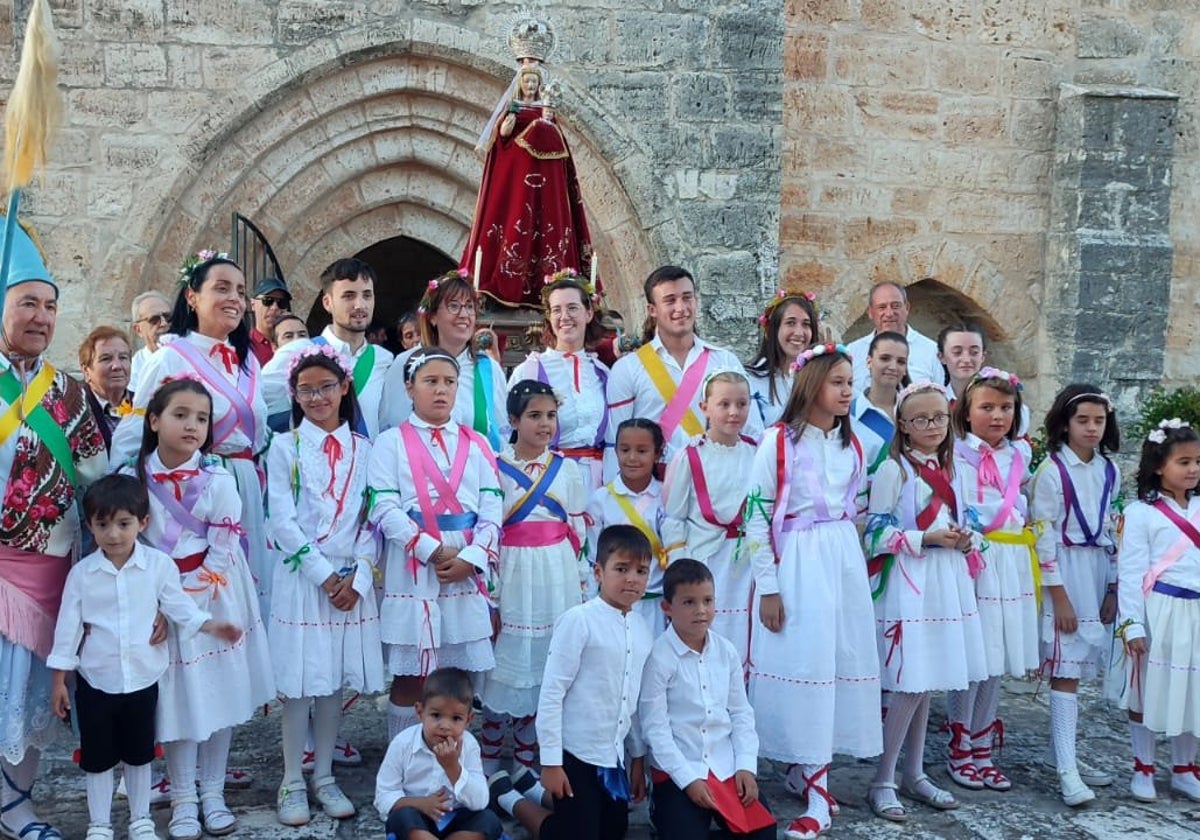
{"points": [[779, 297], [426, 302], [1159, 435], [995, 373], [575, 277], [193, 260], [920, 386], [818, 350], [312, 351]]}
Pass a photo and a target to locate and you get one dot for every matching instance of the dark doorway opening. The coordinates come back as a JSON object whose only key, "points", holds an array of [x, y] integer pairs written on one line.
{"points": [[404, 266]]}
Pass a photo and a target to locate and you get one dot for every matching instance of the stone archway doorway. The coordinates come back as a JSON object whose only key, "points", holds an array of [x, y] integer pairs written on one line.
{"points": [[403, 265]]}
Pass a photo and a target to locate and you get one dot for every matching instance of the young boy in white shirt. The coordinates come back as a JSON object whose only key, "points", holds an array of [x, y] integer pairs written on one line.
{"points": [[431, 782], [697, 720], [109, 604], [587, 711]]}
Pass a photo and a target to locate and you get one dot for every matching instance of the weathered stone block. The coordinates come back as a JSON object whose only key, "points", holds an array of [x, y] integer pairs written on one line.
{"points": [[301, 21], [645, 39], [135, 65], [748, 37], [1108, 37], [700, 96], [738, 146]]}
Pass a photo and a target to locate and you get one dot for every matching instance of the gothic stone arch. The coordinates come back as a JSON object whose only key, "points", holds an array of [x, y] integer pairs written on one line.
{"points": [[336, 151]]}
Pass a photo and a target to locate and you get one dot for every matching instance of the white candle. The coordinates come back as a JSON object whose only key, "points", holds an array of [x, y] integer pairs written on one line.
{"points": [[478, 266], [595, 262]]}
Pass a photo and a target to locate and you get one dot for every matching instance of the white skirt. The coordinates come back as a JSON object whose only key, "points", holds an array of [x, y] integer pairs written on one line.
{"points": [[815, 684], [1008, 610], [259, 553], [25, 718], [733, 585], [537, 585], [318, 649], [1077, 655], [927, 625], [210, 684], [1172, 677], [426, 624]]}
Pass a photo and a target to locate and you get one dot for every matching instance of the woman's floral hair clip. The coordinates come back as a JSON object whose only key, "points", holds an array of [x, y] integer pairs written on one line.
{"points": [[570, 274], [426, 302], [311, 351], [921, 386], [995, 373], [1159, 435], [818, 350], [778, 298], [424, 356], [193, 260]]}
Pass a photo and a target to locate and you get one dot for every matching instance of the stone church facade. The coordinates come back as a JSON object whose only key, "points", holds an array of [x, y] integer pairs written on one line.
{"points": [[1029, 163]]}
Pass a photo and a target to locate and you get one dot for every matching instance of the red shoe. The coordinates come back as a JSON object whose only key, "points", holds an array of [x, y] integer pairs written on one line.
{"points": [[961, 763], [805, 828]]}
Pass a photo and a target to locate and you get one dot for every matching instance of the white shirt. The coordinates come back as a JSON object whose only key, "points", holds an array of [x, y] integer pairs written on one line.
{"points": [[922, 359], [693, 710], [582, 408], [117, 607], [834, 465], [333, 538], [769, 411], [685, 531], [632, 393], [410, 768], [127, 438], [136, 367], [1048, 508], [397, 407], [588, 704], [603, 510], [1146, 538], [982, 512]]}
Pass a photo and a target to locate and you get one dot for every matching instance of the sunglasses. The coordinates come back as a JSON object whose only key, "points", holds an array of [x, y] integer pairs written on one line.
{"points": [[156, 319], [280, 302]]}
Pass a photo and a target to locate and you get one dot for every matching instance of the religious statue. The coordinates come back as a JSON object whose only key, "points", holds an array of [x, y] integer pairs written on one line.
{"points": [[529, 218]]}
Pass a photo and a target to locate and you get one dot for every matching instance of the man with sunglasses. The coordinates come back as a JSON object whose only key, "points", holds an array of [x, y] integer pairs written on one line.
{"points": [[270, 302], [151, 319]]}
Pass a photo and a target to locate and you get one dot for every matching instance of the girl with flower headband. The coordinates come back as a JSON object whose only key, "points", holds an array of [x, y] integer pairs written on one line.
{"points": [[324, 619], [447, 314], [705, 495], [209, 339], [1158, 596], [540, 577], [788, 326], [991, 462], [573, 371], [814, 670], [435, 499], [927, 622], [1074, 508], [210, 685]]}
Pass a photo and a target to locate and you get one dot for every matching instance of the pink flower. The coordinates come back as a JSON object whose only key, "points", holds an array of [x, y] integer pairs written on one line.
{"points": [[463, 273], [58, 412]]}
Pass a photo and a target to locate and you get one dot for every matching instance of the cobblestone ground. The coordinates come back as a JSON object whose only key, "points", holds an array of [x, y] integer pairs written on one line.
{"points": [[1032, 810]]}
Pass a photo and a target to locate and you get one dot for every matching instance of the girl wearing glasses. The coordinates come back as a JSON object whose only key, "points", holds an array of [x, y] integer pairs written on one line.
{"points": [[927, 622], [324, 627]]}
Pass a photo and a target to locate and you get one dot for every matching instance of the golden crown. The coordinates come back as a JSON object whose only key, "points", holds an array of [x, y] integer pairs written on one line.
{"points": [[529, 37]]}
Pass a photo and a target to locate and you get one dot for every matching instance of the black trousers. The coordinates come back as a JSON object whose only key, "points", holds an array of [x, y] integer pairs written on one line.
{"points": [[114, 728], [402, 821], [591, 814], [676, 817]]}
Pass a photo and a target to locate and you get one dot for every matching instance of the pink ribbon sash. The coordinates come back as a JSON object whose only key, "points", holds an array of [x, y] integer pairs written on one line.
{"points": [[31, 587], [241, 398], [681, 401], [538, 534], [1186, 541]]}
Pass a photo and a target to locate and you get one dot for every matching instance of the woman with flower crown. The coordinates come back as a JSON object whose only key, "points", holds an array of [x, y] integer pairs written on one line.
{"points": [[577, 376], [209, 340], [788, 326], [529, 219], [447, 318]]}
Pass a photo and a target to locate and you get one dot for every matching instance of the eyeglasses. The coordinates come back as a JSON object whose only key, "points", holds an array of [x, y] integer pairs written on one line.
{"points": [[456, 307], [922, 422], [323, 392], [280, 302], [156, 319]]}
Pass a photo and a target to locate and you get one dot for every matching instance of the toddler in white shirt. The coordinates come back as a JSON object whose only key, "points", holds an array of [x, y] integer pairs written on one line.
{"points": [[115, 593], [431, 782]]}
